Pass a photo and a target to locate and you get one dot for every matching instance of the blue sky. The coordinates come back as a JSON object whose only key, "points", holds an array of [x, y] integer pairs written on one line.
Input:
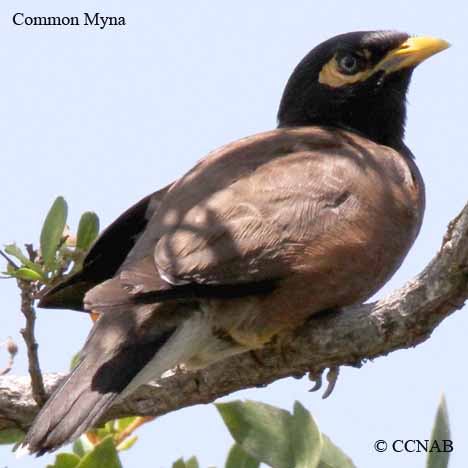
{"points": [[104, 117]]}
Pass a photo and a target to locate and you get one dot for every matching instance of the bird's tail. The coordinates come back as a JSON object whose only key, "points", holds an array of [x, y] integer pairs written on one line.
{"points": [[129, 345], [115, 352]]}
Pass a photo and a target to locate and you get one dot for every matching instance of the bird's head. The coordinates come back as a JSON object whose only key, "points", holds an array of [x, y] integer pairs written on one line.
{"points": [[357, 81]]}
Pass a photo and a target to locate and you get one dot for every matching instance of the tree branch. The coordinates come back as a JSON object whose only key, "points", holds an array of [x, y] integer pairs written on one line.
{"points": [[27, 299], [403, 319]]}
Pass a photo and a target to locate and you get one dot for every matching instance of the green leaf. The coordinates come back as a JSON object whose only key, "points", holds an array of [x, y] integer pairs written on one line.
{"points": [[104, 455], [123, 423], [127, 443], [333, 457], [305, 438], [10, 436], [78, 448], [192, 463], [239, 458], [65, 460], [88, 230], [27, 274], [110, 426], [261, 430], [74, 360], [439, 452], [104, 431], [15, 251], [82, 446], [52, 230], [179, 463]]}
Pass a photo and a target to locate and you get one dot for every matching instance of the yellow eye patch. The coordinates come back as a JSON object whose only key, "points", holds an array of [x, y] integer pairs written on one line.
{"points": [[330, 75], [408, 54]]}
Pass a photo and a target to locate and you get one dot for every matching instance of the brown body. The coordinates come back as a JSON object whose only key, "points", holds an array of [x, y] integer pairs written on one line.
{"points": [[326, 214], [329, 214]]}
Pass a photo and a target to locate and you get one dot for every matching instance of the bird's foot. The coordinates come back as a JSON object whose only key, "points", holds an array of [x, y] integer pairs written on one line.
{"points": [[282, 345], [332, 378]]}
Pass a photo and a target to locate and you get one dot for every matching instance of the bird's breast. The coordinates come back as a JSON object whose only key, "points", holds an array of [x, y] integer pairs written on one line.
{"points": [[344, 235]]}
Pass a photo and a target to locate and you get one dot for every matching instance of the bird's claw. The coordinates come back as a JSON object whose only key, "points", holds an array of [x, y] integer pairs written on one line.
{"points": [[332, 378], [317, 378]]}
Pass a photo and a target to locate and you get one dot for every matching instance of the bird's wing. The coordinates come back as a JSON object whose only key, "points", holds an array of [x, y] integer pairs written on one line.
{"points": [[247, 213]]}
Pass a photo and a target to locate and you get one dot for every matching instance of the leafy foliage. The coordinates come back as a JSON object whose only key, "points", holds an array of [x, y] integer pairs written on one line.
{"points": [[280, 439], [190, 463], [65, 460], [239, 458], [332, 457], [10, 436], [52, 231], [437, 458], [88, 230], [100, 447], [59, 252]]}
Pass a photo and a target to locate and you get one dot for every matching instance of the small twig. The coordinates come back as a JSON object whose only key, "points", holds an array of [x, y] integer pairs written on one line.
{"points": [[27, 297], [131, 428], [32, 254], [12, 350], [9, 260], [94, 438]]}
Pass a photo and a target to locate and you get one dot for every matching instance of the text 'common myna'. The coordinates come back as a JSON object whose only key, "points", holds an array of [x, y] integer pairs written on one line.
{"points": [[259, 235]]}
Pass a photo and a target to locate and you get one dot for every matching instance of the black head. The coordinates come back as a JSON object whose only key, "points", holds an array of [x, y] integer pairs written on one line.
{"points": [[357, 81]]}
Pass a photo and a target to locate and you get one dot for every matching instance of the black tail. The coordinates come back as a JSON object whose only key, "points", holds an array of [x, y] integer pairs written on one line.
{"points": [[71, 410], [113, 354]]}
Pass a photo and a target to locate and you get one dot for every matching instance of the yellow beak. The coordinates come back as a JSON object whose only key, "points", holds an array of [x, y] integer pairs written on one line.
{"points": [[412, 52]]}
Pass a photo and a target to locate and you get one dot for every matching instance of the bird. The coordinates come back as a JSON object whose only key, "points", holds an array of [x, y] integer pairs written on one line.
{"points": [[257, 237]]}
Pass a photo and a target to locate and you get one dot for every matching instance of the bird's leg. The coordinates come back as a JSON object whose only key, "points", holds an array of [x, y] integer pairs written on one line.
{"points": [[282, 345], [278, 344]]}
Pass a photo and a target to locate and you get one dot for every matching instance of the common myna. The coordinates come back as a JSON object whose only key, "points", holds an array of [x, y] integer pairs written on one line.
{"points": [[261, 234]]}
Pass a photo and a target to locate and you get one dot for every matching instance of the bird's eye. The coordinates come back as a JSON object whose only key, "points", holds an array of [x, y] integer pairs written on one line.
{"points": [[349, 64]]}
